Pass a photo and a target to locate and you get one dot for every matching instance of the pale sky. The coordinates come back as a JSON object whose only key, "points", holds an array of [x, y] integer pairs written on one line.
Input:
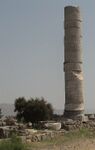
{"points": [[32, 50]]}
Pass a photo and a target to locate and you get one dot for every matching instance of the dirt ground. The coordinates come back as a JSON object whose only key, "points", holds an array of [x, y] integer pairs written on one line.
{"points": [[87, 144], [79, 145]]}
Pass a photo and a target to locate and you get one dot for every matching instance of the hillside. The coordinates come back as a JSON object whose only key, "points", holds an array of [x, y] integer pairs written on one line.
{"points": [[7, 109]]}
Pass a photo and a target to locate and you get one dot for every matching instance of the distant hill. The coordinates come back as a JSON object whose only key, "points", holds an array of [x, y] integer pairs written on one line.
{"points": [[7, 109], [58, 111]]}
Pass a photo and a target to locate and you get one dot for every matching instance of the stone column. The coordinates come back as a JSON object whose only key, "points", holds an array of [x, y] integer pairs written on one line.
{"points": [[74, 99]]}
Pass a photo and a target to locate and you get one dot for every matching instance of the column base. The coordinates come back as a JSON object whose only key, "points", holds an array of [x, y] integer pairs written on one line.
{"points": [[73, 114]]}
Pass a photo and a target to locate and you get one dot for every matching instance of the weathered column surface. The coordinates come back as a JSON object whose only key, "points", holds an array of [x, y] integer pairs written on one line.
{"points": [[74, 99]]}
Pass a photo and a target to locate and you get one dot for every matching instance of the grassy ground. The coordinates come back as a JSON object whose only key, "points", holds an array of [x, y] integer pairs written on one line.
{"points": [[67, 139], [83, 139], [14, 143]]}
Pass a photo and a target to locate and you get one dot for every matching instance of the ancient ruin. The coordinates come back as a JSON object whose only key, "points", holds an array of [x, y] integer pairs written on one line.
{"points": [[74, 98]]}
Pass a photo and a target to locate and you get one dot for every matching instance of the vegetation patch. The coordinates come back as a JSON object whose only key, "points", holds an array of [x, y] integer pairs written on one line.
{"points": [[14, 143], [65, 139], [33, 110]]}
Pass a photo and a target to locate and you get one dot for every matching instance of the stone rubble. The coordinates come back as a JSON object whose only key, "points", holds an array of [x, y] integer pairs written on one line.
{"points": [[46, 129]]}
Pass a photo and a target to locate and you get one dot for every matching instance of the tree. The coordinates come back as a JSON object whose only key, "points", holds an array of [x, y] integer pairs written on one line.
{"points": [[20, 104], [1, 113], [33, 110]]}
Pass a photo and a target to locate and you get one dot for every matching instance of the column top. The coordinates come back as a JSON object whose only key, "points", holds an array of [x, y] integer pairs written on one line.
{"points": [[72, 7], [72, 13]]}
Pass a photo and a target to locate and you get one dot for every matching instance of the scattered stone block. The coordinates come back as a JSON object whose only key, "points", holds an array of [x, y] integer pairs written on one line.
{"points": [[53, 126]]}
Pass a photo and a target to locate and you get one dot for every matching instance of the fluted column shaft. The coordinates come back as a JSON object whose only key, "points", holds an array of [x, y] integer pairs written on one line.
{"points": [[74, 98]]}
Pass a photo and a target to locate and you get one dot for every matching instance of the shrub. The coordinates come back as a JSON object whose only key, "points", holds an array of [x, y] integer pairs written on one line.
{"points": [[14, 143], [33, 110]]}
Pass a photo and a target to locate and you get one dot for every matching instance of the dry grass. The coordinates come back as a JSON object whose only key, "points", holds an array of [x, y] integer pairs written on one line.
{"points": [[81, 139]]}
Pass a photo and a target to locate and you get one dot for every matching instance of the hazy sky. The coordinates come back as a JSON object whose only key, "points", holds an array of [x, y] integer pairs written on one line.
{"points": [[32, 50]]}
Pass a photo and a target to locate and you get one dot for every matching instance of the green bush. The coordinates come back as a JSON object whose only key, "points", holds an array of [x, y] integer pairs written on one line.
{"points": [[14, 143], [33, 110]]}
